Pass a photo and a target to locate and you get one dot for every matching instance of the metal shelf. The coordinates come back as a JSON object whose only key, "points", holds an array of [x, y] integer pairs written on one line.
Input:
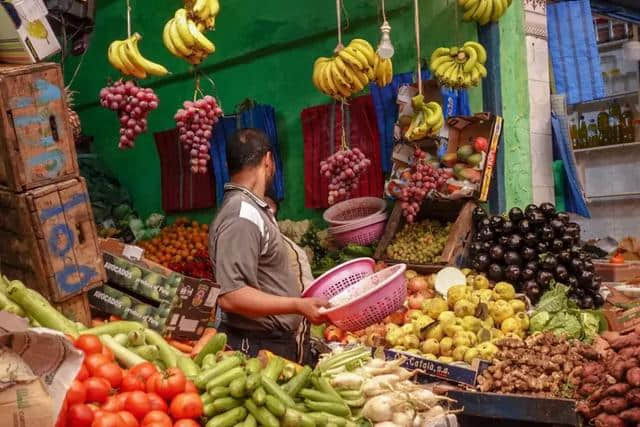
{"points": [[605, 147], [612, 44], [634, 93], [613, 196]]}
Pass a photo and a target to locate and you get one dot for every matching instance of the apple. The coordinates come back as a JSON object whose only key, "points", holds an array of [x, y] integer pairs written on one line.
{"points": [[412, 314], [333, 333], [480, 144], [398, 316], [415, 301]]}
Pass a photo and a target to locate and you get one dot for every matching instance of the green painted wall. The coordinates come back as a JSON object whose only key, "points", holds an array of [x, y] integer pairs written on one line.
{"points": [[264, 51]]}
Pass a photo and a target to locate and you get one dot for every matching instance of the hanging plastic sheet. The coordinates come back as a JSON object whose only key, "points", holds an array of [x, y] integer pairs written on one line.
{"points": [[574, 196], [321, 127], [573, 50], [454, 103], [258, 116]]}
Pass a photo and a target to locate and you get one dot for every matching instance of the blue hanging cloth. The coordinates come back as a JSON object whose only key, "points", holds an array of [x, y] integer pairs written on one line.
{"points": [[573, 50], [574, 197], [260, 117], [454, 103]]}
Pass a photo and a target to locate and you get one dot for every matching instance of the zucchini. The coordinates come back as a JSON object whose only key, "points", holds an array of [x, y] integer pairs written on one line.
{"points": [[253, 382], [253, 365], [217, 392], [114, 328], [298, 382], [258, 396], [209, 361], [167, 355], [224, 404], [214, 345], [39, 309], [271, 387], [274, 406], [250, 421], [219, 369], [147, 351], [262, 415], [274, 368], [125, 356], [188, 366], [237, 387], [229, 418], [319, 396], [226, 378], [337, 409]]}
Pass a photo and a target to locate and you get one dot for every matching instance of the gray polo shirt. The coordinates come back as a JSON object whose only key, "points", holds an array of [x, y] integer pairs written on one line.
{"points": [[247, 249]]}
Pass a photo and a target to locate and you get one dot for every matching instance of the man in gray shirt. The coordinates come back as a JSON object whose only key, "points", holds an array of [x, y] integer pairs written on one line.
{"points": [[260, 296]]}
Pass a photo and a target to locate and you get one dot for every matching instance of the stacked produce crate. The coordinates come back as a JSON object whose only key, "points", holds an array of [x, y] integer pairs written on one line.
{"points": [[46, 224]]}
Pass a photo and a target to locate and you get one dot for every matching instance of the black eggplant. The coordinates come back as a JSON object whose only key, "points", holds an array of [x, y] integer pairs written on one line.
{"points": [[486, 246], [564, 257], [542, 247], [572, 281], [546, 233], [525, 226], [558, 226], [475, 247], [530, 239], [594, 286], [503, 240], [512, 273], [585, 279], [483, 261], [579, 293], [576, 266], [530, 208], [587, 302], [507, 228], [496, 222], [557, 245], [536, 217], [598, 300], [574, 298], [561, 273], [548, 209], [544, 278], [496, 272], [573, 230], [584, 257], [533, 265], [567, 240], [588, 266], [532, 290], [515, 241], [483, 223], [512, 258], [516, 215], [575, 251], [527, 274], [486, 234], [528, 253], [549, 262], [478, 214], [564, 217], [496, 253]]}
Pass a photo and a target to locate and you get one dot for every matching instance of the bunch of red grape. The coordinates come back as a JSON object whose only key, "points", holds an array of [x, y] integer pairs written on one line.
{"points": [[195, 123], [422, 180], [132, 103], [344, 168]]}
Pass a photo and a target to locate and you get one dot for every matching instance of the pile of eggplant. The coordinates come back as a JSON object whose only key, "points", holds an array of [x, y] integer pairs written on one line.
{"points": [[532, 249]]}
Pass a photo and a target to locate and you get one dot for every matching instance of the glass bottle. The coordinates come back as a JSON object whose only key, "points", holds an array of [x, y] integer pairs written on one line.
{"points": [[616, 114], [627, 124], [582, 133], [592, 130], [603, 127], [573, 132]]}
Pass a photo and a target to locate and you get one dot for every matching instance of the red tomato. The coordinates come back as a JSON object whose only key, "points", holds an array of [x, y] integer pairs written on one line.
{"points": [[186, 405], [186, 423], [94, 361], [80, 415], [77, 393], [83, 373], [157, 424], [110, 372], [113, 404], [132, 382], [89, 344], [138, 404], [190, 387], [157, 403], [62, 416], [144, 370], [157, 417], [108, 420], [106, 352], [167, 384], [128, 418], [122, 397], [98, 389]]}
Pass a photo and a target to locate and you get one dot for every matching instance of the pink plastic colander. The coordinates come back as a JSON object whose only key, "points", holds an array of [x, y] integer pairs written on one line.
{"points": [[370, 300], [340, 278], [363, 232], [353, 210]]}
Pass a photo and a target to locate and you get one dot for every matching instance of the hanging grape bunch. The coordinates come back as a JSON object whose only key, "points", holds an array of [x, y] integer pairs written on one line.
{"points": [[132, 104], [195, 124], [422, 179], [343, 169]]}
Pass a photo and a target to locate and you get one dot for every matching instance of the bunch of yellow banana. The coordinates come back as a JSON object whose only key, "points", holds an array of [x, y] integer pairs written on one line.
{"points": [[183, 39], [459, 67], [203, 13], [427, 119], [484, 11], [125, 57], [351, 70]]}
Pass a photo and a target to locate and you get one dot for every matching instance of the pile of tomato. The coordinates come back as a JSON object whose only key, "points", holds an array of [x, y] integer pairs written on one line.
{"points": [[105, 395]]}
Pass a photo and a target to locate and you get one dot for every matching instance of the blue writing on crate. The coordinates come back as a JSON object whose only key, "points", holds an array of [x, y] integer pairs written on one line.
{"points": [[47, 92], [48, 163], [75, 200], [26, 120], [60, 231], [83, 274]]}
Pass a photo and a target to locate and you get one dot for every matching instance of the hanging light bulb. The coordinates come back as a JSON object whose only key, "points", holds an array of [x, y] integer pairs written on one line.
{"points": [[385, 48]]}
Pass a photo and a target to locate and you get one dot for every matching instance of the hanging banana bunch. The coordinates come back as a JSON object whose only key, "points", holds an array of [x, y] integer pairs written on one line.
{"points": [[183, 38], [125, 57], [459, 68], [484, 11], [427, 119], [203, 13], [351, 70]]}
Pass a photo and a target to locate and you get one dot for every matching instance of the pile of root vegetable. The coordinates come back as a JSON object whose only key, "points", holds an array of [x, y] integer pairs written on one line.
{"points": [[610, 388], [544, 365]]}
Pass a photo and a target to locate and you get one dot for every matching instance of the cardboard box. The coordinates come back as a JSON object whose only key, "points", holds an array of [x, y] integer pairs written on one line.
{"points": [[26, 405], [25, 34], [114, 301]]}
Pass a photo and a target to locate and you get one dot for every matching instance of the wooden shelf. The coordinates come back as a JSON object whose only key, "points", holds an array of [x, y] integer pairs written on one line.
{"points": [[634, 93], [612, 44], [606, 147]]}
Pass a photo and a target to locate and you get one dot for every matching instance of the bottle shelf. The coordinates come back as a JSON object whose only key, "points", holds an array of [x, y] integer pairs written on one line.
{"points": [[606, 147], [612, 196], [606, 99]]}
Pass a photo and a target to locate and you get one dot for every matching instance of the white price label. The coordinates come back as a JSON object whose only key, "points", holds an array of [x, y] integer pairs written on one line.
{"points": [[132, 252], [30, 10]]}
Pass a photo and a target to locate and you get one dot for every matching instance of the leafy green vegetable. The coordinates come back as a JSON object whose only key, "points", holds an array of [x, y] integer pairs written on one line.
{"points": [[565, 324], [554, 300], [538, 321], [590, 324]]}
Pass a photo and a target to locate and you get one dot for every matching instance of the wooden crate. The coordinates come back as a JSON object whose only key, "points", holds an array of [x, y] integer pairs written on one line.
{"points": [[36, 141], [49, 239], [77, 309], [457, 211]]}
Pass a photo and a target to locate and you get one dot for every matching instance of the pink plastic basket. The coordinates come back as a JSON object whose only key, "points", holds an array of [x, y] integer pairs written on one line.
{"points": [[340, 278], [370, 300], [353, 210], [363, 232]]}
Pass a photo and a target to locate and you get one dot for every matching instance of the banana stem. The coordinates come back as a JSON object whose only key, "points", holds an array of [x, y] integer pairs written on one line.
{"points": [[416, 21], [339, 17], [128, 18]]}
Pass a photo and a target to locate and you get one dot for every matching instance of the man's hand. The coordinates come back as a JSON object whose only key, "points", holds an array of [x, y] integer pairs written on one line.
{"points": [[310, 308]]}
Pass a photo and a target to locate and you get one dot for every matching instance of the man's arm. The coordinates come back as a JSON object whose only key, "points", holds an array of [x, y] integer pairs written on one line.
{"points": [[251, 302]]}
